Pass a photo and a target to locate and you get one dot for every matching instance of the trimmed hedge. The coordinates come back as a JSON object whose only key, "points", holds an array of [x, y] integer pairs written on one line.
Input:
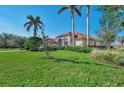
{"points": [[83, 49]]}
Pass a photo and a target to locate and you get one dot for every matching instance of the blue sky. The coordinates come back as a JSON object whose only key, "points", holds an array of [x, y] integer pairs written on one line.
{"points": [[12, 19]]}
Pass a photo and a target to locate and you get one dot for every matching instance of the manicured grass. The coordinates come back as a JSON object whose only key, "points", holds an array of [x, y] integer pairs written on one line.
{"points": [[24, 68]]}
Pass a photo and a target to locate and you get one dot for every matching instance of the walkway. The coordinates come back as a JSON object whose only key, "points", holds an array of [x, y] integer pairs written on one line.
{"points": [[11, 50]]}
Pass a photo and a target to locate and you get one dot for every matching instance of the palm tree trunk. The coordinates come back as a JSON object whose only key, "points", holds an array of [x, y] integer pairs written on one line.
{"points": [[88, 24], [35, 33], [73, 32]]}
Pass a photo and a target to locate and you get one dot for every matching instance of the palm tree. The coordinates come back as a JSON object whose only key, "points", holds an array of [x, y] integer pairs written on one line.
{"points": [[73, 10], [88, 21], [35, 23]]}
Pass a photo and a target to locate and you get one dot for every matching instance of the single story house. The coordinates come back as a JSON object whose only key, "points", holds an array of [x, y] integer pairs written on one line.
{"points": [[80, 40]]}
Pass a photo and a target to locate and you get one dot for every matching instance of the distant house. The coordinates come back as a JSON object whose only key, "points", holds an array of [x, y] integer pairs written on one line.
{"points": [[80, 40]]}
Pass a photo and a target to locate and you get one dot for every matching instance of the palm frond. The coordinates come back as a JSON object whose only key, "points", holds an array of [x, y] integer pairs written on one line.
{"points": [[26, 24], [63, 9], [37, 18], [28, 27], [41, 22], [40, 27], [30, 17], [77, 11]]}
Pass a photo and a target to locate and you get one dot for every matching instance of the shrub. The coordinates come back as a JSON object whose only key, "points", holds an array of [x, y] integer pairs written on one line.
{"points": [[60, 48], [34, 43], [104, 56], [119, 60], [86, 49], [77, 49], [50, 47], [26, 44], [109, 57], [121, 49]]}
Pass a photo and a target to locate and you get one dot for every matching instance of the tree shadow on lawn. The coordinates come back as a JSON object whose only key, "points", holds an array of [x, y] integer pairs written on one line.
{"points": [[88, 63]]}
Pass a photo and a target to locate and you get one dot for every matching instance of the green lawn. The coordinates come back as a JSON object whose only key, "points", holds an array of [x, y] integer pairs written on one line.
{"points": [[24, 68]]}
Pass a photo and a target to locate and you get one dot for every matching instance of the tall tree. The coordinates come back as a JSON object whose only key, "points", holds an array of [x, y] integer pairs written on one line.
{"points": [[36, 23], [4, 37], [107, 36], [73, 10], [88, 21], [110, 23]]}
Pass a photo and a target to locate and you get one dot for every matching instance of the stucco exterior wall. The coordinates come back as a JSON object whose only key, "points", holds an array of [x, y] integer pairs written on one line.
{"points": [[65, 40], [79, 42], [84, 42]]}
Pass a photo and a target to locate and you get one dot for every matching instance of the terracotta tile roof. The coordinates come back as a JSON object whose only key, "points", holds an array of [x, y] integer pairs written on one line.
{"points": [[83, 36], [65, 34], [77, 35], [51, 40]]}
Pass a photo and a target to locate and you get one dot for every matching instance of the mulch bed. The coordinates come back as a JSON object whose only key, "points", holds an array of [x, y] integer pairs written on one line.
{"points": [[47, 58]]}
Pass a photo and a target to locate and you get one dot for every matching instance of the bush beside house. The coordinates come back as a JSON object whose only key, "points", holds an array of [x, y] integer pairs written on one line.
{"points": [[82, 49]]}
